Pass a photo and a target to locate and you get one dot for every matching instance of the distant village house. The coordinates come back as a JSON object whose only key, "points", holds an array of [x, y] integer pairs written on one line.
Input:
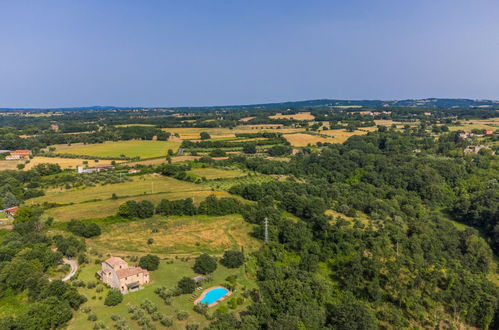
{"points": [[488, 131], [18, 154], [133, 171], [54, 127], [117, 274], [475, 149], [11, 211]]}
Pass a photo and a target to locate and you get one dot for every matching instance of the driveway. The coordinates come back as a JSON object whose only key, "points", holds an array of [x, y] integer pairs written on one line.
{"points": [[74, 267]]}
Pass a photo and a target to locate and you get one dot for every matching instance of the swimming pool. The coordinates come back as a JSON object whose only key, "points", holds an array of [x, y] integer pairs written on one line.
{"points": [[213, 295]]}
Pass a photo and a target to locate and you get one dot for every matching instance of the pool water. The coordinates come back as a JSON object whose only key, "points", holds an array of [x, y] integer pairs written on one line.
{"points": [[213, 295]]}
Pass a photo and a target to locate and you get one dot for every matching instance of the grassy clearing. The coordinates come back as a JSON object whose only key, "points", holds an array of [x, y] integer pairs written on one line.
{"points": [[168, 276], [64, 163], [177, 235], [216, 173], [360, 216], [297, 116], [131, 148]]}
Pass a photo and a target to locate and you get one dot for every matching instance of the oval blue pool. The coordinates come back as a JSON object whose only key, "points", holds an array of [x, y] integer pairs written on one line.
{"points": [[213, 295]]}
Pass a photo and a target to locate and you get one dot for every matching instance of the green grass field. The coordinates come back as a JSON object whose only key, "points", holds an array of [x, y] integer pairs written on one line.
{"points": [[176, 235], [131, 148], [96, 202], [216, 173], [167, 275]]}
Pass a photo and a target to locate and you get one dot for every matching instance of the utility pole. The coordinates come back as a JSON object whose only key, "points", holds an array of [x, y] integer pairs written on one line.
{"points": [[266, 223]]}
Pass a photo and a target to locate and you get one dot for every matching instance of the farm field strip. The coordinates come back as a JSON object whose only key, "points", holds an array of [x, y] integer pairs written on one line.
{"points": [[149, 184], [64, 163], [108, 207], [129, 148], [297, 116]]}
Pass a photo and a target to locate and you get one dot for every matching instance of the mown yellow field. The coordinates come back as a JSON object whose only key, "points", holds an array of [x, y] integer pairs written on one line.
{"points": [[64, 163], [297, 116], [131, 148], [178, 235], [341, 135], [245, 119], [303, 139]]}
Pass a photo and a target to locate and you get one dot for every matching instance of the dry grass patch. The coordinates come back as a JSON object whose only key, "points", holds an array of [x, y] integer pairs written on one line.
{"points": [[297, 116], [178, 235]]}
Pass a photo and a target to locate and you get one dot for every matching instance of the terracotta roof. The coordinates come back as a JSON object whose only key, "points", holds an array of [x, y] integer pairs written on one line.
{"points": [[121, 273], [12, 210], [115, 261]]}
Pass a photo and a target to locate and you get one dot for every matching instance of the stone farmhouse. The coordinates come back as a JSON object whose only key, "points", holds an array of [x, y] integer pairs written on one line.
{"points": [[117, 274]]}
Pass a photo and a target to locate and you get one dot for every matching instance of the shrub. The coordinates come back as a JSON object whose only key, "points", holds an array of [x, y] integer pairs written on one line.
{"points": [[167, 322], [232, 259], [192, 326], [182, 315], [217, 153], [113, 298], [186, 285], [205, 264], [92, 317], [200, 308], [149, 262]]}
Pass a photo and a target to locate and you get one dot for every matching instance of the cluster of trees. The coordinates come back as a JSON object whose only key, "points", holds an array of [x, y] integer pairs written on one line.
{"points": [[83, 229], [395, 270], [26, 255], [210, 206]]}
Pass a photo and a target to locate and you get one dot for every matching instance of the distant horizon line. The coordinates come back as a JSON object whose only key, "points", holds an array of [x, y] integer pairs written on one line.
{"points": [[110, 107]]}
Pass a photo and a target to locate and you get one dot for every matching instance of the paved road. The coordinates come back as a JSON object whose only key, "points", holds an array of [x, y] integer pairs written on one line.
{"points": [[74, 267]]}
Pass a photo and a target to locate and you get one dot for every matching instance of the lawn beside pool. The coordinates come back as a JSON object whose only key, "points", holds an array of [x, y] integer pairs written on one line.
{"points": [[167, 276]]}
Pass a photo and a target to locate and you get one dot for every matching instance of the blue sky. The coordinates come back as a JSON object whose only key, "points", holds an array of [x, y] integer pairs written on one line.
{"points": [[174, 53]]}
